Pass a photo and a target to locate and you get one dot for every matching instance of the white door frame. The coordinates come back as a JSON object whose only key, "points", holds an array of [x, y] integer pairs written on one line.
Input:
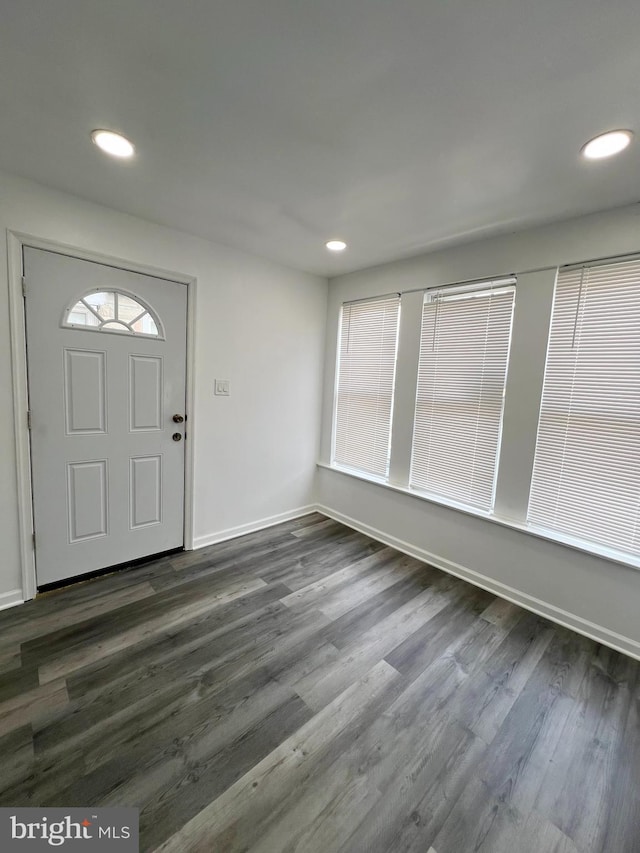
{"points": [[16, 241]]}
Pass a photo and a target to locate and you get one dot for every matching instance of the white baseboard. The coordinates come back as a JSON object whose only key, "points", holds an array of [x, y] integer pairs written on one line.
{"points": [[556, 614], [251, 527], [10, 599]]}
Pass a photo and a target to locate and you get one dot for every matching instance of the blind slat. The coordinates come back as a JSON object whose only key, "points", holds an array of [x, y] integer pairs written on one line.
{"points": [[464, 351], [586, 475], [365, 381]]}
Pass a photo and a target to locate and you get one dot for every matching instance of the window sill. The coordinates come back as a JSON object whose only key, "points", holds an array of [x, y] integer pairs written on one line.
{"points": [[591, 548]]}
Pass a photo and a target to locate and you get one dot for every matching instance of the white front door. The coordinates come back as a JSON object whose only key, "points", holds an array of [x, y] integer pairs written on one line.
{"points": [[106, 356]]}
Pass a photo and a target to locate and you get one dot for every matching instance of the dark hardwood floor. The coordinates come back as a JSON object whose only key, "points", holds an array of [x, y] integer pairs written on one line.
{"points": [[305, 688]]}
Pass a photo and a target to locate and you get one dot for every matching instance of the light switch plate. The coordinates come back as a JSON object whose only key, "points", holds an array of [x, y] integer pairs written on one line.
{"points": [[221, 387]]}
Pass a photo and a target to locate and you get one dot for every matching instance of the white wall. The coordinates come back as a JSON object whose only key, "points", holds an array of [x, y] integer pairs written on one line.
{"points": [[596, 596], [259, 325]]}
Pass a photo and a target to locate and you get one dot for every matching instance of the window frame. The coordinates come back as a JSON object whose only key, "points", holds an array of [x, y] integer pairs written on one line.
{"points": [[343, 466], [453, 292], [561, 534]]}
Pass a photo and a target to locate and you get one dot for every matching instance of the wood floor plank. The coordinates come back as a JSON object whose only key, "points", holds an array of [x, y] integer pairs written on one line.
{"points": [[92, 589], [424, 755], [238, 545], [29, 706], [420, 649], [84, 611], [150, 758], [16, 749], [272, 653], [419, 761], [501, 612], [19, 680], [245, 616], [305, 688], [169, 604], [236, 552], [202, 781], [80, 725], [312, 530], [345, 629], [585, 756], [309, 657], [10, 660], [324, 684], [238, 816], [524, 744], [343, 581], [275, 532], [66, 664], [483, 703], [450, 668], [319, 560], [356, 593], [291, 561], [41, 779], [484, 824], [624, 797], [280, 551], [321, 817], [213, 664]]}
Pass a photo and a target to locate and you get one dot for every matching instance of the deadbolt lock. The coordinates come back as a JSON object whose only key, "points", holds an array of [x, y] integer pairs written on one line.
{"points": [[177, 436]]}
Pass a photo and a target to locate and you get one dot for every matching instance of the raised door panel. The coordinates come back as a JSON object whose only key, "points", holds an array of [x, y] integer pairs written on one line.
{"points": [[85, 392], [145, 393], [87, 500], [145, 491]]}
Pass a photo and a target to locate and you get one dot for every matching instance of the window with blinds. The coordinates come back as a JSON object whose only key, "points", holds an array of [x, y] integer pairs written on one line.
{"points": [[464, 351], [586, 476], [365, 380]]}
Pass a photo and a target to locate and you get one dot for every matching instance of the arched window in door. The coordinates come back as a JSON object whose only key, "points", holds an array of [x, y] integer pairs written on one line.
{"points": [[113, 311]]}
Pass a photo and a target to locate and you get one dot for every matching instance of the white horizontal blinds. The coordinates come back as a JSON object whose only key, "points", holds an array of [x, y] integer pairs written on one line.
{"points": [[366, 369], [586, 476], [462, 371]]}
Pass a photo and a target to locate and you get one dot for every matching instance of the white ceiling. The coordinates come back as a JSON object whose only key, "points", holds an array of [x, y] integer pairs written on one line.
{"points": [[274, 125]]}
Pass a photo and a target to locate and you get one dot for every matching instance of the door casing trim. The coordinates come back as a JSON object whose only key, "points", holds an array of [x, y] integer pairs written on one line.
{"points": [[16, 241]]}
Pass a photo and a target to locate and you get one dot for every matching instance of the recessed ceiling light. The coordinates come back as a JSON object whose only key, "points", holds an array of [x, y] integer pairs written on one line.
{"points": [[336, 245], [607, 144], [112, 143]]}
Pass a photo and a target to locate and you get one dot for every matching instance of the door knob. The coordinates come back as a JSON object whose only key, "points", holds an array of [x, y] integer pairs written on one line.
{"points": [[178, 419], [177, 436]]}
